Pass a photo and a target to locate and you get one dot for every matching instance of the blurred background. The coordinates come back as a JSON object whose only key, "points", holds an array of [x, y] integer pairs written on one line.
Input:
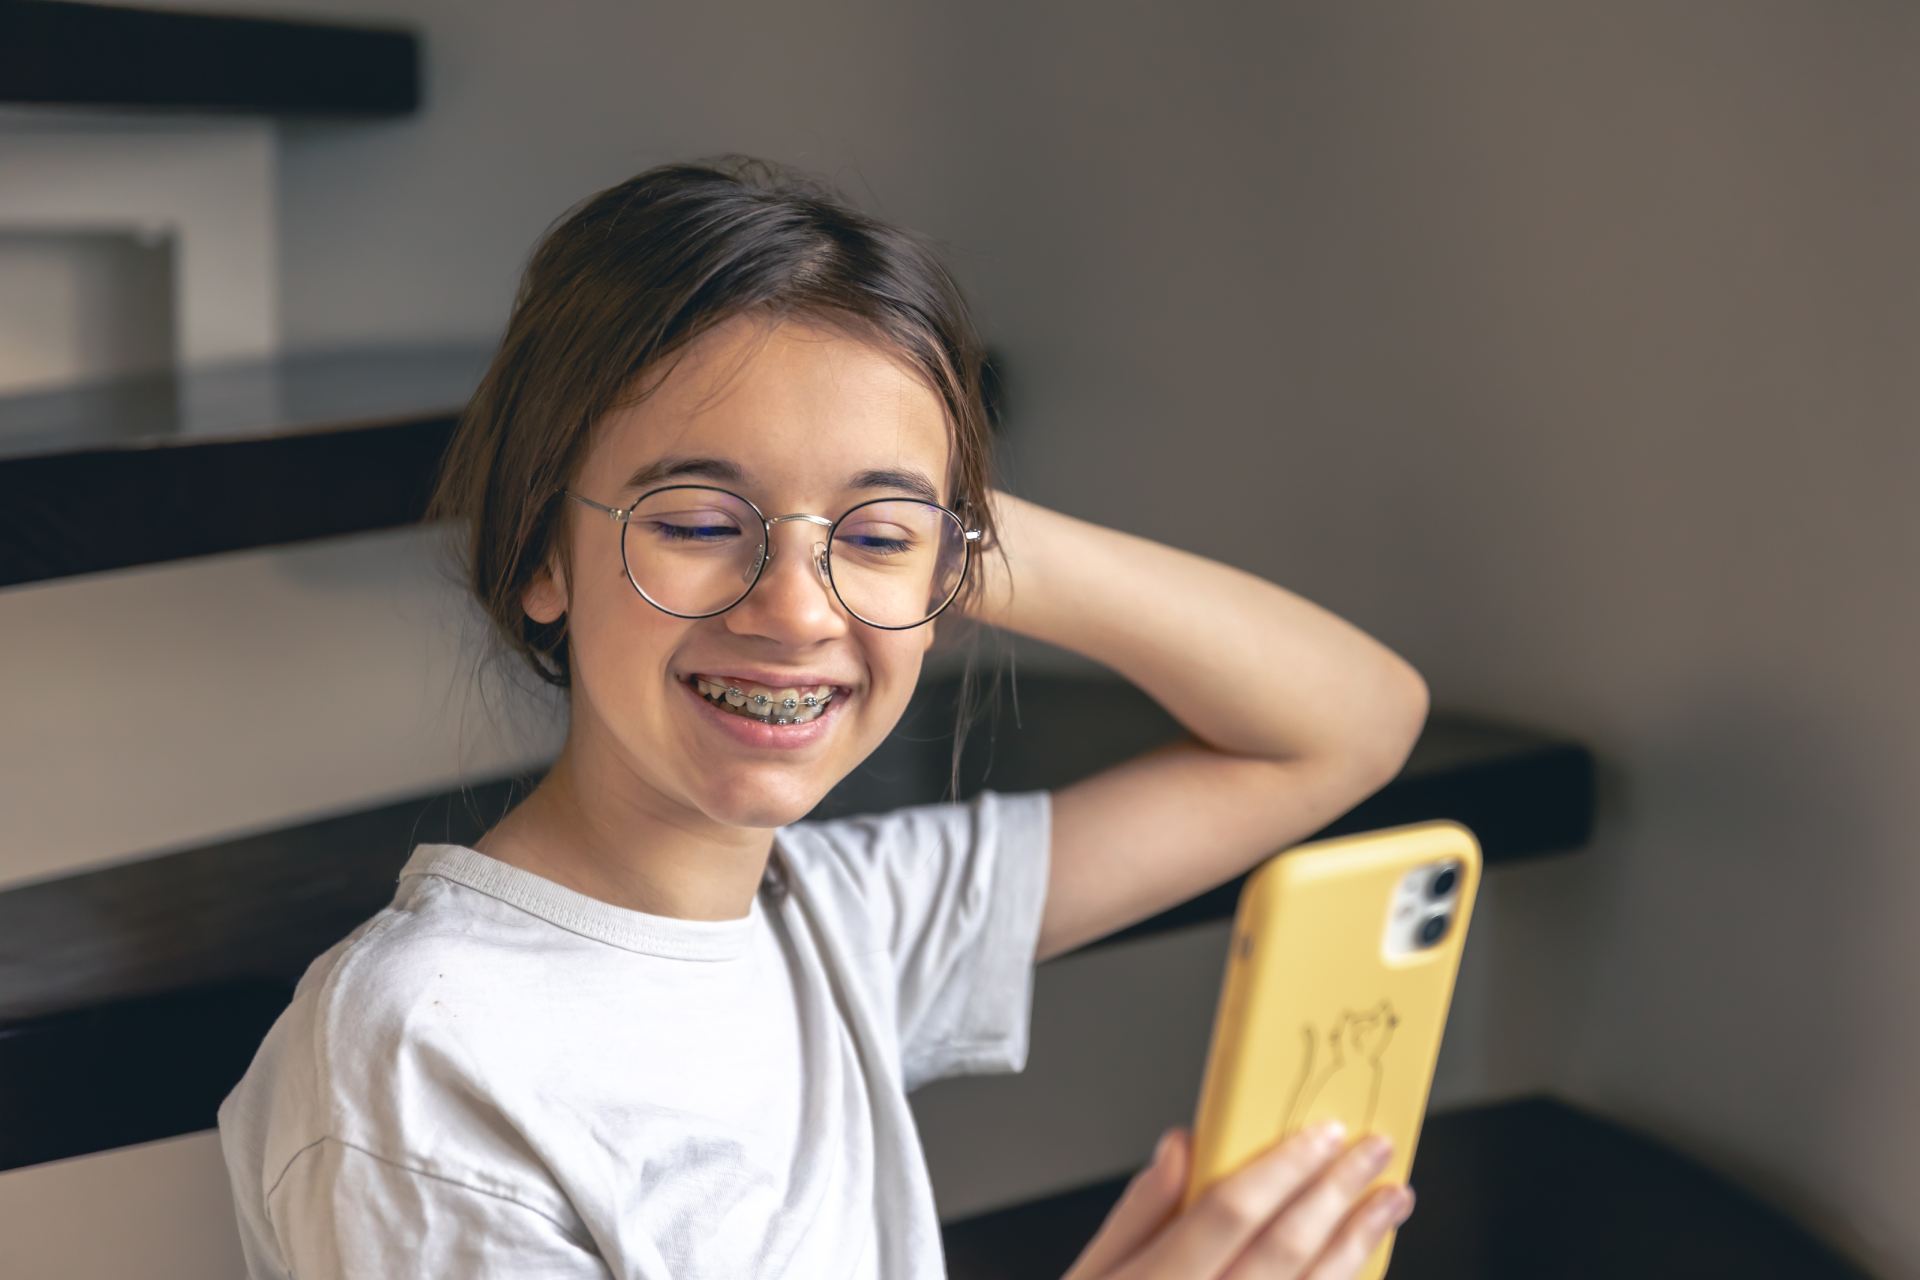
{"points": [[1573, 350]]}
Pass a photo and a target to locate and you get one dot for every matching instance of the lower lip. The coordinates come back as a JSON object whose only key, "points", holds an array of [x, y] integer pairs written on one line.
{"points": [[748, 733]]}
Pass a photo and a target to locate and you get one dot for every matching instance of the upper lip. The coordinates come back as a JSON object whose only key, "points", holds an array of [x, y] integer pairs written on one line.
{"points": [[771, 679]]}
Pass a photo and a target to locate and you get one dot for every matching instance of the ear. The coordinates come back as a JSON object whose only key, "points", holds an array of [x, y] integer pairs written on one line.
{"points": [[545, 598]]}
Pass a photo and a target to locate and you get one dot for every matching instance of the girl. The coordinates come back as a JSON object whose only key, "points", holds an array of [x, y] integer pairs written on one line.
{"points": [[727, 467]]}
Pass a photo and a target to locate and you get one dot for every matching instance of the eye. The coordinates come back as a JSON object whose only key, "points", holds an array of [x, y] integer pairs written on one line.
{"points": [[692, 533], [886, 546], [691, 526], [878, 538]]}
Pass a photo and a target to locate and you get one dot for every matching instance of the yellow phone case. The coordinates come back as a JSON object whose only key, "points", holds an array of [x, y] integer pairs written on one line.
{"points": [[1330, 1005]]}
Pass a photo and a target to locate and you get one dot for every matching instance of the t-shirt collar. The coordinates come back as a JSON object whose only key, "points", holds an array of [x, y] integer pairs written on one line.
{"points": [[668, 936]]}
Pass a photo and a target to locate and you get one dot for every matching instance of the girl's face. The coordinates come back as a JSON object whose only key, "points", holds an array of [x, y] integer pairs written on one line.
{"points": [[799, 412]]}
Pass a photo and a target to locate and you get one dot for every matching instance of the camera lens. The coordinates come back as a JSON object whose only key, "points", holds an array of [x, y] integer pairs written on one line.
{"points": [[1432, 928], [1442, 883]]}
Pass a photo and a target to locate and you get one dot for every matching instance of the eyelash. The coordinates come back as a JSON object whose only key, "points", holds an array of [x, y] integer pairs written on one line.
{"points": [[685, 533]]}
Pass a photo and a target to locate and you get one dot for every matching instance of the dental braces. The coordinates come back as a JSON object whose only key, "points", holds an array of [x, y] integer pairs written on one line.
{"points": [[788, 703]]}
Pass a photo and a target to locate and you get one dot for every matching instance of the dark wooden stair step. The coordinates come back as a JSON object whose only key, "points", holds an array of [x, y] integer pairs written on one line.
{"points": [[1528, 1189], [133, 997]]}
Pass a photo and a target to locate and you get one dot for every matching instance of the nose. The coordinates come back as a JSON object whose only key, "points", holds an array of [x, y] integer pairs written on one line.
{"points": [[793, 601]]}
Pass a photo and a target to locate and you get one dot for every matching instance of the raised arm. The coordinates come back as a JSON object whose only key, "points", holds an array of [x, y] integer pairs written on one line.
{"points": [[1294, 715]]}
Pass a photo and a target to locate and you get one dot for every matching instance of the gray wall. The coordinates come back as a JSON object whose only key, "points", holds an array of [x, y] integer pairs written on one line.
{"points": [[1569, 350]]}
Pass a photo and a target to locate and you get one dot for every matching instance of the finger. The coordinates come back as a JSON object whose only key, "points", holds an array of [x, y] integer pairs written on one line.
{"points": [[1290, 1243], [1361, 1234], [1230, 1213], [1150, 1198]]}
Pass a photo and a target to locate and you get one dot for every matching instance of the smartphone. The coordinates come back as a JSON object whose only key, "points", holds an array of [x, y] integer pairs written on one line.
{"points": [[1339, 974]]}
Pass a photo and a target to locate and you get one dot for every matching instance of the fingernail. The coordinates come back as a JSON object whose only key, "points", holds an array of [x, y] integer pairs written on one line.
{"points": [[1328, 1133], [1403, 1207], [1161, 1147]]}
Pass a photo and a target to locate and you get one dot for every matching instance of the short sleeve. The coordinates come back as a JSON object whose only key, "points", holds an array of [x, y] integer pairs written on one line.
{"points": [[957, 892], [342, 1213]]}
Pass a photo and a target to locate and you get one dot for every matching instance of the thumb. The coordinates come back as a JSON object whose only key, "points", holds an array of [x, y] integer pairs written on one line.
{"points": [[1150, 1198]]}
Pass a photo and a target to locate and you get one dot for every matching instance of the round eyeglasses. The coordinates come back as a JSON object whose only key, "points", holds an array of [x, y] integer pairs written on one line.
{"points": [[696, 550]]}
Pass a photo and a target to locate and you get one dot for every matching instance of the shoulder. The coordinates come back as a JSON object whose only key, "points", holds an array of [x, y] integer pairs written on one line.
{"points": [[897, 869], [858, 851], [985, 817], [386, 1028], [441, 993]]}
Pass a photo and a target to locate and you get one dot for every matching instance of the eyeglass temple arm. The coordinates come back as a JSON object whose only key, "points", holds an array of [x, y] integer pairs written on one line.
{"points": [[966, 514], [614, 512]]}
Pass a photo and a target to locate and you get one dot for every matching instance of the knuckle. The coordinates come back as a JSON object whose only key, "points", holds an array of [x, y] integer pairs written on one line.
{"points": [[1352, 1184], [1291, 1244], [1346, 1255], [1233, 1206], [1357, 1170]]}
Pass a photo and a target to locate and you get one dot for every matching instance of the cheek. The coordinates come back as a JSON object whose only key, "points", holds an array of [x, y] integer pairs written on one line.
{"points": [[621, 643], [893, 665]]}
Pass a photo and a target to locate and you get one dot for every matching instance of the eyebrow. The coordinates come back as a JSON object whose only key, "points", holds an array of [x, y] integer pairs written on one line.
{"points": [[673, 466]]}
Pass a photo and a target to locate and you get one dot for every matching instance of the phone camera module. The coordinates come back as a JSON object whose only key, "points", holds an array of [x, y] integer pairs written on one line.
{"points": [[1443, 881], [1432, 929]]}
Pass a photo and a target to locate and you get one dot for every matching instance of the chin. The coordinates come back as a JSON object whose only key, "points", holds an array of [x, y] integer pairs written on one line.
{"points": [[746, 805]]}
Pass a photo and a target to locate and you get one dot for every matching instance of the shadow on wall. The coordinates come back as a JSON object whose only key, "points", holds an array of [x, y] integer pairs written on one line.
{"points": [[1732, 972]]}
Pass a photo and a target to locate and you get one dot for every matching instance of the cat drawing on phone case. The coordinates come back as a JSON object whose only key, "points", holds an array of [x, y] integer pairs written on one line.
{"points": [[1346, 1069]]}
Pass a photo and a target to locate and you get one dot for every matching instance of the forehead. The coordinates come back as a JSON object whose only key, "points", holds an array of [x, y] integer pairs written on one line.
{"points": [[795, 405]]}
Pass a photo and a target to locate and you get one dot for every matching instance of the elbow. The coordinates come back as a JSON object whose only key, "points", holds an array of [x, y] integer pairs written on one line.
{"points": [[1397, 741], [1419, 701]]}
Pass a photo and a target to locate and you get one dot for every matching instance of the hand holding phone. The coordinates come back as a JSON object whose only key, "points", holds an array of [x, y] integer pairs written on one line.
{"points": [[1339, 975], [1299, 1209]]}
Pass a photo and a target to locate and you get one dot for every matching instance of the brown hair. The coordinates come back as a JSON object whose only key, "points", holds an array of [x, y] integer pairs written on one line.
{"points": [[632, 274]]}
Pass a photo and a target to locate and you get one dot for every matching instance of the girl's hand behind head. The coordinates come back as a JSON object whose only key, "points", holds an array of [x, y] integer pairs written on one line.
{"points": [[1294, 1212]]}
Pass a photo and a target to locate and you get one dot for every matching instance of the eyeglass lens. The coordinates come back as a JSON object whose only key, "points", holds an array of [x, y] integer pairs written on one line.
{"points": [[694, 550]]}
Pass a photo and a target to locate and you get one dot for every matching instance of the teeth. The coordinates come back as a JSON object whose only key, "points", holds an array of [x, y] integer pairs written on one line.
{"points": [[775, 706]]}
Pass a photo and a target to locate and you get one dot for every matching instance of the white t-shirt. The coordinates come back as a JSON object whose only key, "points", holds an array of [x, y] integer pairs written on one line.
{"points": [[499, 1076]]}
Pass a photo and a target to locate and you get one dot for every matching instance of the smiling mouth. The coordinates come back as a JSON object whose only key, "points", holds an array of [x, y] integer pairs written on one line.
{"points": [[768, 706]]}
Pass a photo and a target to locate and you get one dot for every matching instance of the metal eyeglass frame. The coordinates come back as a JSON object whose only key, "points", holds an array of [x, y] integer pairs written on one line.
{"points": [[823, 558]]}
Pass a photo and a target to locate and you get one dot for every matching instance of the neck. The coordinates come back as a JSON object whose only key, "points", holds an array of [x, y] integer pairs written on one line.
{"points": [[604, 833]]}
